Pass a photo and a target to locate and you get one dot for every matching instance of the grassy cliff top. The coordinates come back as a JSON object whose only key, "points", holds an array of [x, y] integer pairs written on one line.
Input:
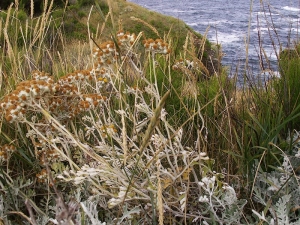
{"points": [[60, 28], [106, 18]]}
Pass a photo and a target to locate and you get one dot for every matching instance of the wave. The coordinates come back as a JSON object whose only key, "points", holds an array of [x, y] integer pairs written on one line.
{"points": [[228, 25], [295, 30], [288, 8], [270, 74], [261, 29], [218, 22], [175, 11], [260, 13], [225, 38], [192, 24]]}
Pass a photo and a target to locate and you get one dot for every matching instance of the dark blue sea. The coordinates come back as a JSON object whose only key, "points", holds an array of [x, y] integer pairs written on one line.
{"points": [[264, 27]]}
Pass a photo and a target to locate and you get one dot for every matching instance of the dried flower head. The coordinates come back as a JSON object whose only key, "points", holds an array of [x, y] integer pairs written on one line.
{"points": [[157, 46], [6, 152]]}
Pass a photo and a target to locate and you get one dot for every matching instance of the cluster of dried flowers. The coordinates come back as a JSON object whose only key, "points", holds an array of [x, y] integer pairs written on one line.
{"points": [[81, 141], [193, 68], [5, 152], [27, 93], [156, 46], [68, 97], [63, 97]]}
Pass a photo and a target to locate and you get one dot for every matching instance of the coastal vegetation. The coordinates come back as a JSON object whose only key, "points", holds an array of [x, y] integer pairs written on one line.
{"points": [[113, 114]]}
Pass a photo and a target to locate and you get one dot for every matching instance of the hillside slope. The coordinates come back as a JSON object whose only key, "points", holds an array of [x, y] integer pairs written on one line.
{"points": [[106, 18]]}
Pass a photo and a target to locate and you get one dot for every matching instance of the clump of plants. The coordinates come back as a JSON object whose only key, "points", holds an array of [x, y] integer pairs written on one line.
{"points": [[85, 139], [286, 88], [133, 131]]}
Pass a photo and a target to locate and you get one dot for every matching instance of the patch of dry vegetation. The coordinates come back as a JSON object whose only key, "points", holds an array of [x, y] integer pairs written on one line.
{"points": [[130, 127]]}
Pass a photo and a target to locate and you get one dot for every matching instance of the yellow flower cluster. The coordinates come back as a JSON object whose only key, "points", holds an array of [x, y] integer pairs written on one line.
{"points": [[5, 152], [157, 46]]}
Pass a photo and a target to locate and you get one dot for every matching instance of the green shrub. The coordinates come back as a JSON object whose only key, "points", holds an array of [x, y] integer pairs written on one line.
{"points": [[26, 4], [287, 87], [22, 15], [81, 14], [85, 2]]}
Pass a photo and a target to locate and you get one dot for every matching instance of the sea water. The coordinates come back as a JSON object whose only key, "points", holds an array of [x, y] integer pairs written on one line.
{"points": [[251, 32]]}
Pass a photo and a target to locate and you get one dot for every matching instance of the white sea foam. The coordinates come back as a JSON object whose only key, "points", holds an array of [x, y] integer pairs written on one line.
{"points": [[294, 20], [269, 74], [267, 13], [214, 25], [288, 8], [221, 22], [271, 55], [261, 29], [175, 11], [295, 30], [225, 38], [192, 24]]}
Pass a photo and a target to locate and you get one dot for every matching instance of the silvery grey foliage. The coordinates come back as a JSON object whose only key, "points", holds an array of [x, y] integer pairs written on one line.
{"points": [[221, 202], [91, 212], [279, 190]]}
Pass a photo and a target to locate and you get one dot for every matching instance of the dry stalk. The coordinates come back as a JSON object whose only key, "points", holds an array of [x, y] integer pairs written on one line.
{"points": [[146, 24], [31, 9], [202, 45], [6, 37], [103, 25], [124, 135], [160, 205], [109, 2]]}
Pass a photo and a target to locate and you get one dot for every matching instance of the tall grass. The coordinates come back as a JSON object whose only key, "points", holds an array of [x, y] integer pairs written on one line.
{"points": [[131, 132]]}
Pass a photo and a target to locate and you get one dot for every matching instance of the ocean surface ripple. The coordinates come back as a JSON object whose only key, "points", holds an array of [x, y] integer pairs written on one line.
{"points": [[237, 25]]}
